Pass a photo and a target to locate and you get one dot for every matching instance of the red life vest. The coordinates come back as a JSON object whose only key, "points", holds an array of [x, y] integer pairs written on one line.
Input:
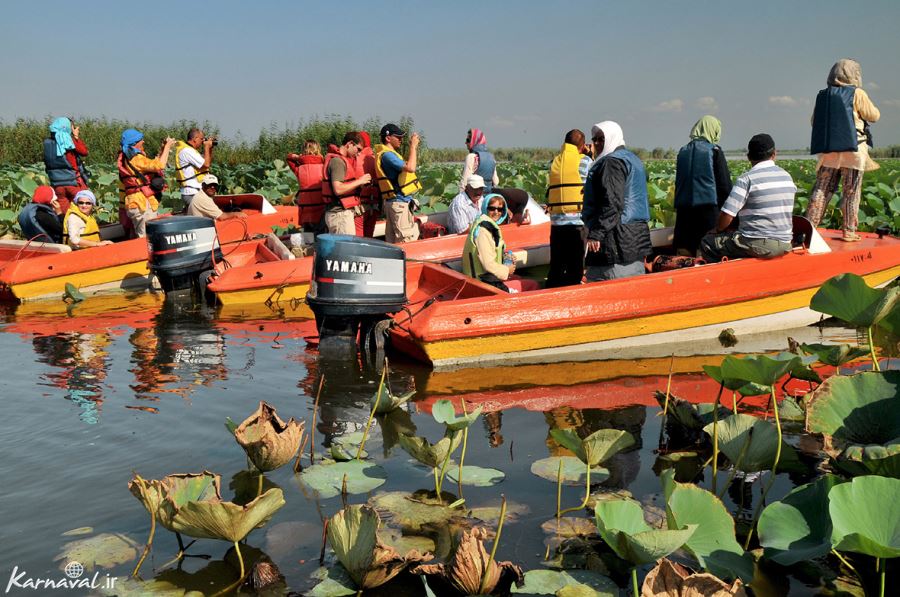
{"points": [[309, 173], [350, 200], [365, 163], [131, 181]]}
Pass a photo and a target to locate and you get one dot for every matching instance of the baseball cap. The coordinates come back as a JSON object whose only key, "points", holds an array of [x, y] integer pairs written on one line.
{"points": [[392, 129], [760, 146], [475, 181], [210, 179]]}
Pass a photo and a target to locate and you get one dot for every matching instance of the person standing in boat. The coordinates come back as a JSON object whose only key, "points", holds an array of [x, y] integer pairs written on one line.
{"points": [[568, 172], [369, 210], [763, 199], [466, 206], [141, 180], [63, 154], [190, 166], [80, 229], [41, 220], [308, 167], [398, 184], [702, 183], [342, 185], [479, 161], [616, 209], [839, 124], [203, 202]]}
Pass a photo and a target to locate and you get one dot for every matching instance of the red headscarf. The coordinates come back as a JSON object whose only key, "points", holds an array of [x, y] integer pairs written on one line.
{"points": [[44, 195], [476, 137], [366, 139]]}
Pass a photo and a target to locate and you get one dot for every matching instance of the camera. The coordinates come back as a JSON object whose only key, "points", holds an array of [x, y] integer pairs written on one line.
{"points": [[214, 140]]}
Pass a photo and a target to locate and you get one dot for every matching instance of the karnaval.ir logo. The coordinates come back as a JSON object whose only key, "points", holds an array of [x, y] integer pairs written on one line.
{"points": [[74, 579]]}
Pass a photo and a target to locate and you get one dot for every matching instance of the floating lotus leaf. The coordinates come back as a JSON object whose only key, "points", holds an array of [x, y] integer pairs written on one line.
{"points": [[551, 582], [690, 416], [713, 542], [327, 477], [180, 488], [106, 550], [671, 579], [715, 372], [569, 526], [404, 543], [850, 299], [388, 402], [874, 459], [798, 528], [469, 564], [596, 448], [685, 465], [476, 476], [621, 524], [856, 409], [245, 485], [737, 430], [835, 355], [403, 510], [444, 413], [212, 518], [573, 470], [269, 442], [865, 514], [352, 534], [432, 455], [490, 514], [800, 366], [761, 369], [334, 582]]}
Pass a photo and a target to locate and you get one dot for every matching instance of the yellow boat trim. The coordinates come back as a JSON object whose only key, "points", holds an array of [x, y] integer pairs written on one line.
{"points": [[470, 348], [259, 296], [90, 281]]}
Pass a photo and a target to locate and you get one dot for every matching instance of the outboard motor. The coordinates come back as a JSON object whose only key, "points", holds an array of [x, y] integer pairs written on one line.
{"points": [[181, 249], [356, 283]]}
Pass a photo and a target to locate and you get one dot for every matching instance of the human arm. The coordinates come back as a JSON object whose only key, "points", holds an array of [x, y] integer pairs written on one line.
{"points": [[163, 156], [469, 167], [80, 148], [457, 221], [75, 227], [864, 106], [722, 175], [736, 200], [410, 165], [487, 254], [207, 154], [293, 162], [337, 171]]}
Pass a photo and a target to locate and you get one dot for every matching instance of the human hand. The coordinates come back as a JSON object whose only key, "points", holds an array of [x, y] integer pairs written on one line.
{"points": [[414, 140], [208, 142], [593, 246], [169, 142], [104, 242], [512, 268], [526, 218], [76, 130], [366, 178]]}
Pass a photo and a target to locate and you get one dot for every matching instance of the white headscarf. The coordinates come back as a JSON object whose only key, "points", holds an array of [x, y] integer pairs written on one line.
{"points": [[612, 133]]}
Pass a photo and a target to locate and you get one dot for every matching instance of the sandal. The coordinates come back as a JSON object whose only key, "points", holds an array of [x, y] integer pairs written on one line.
{"points": [[851, 237]]}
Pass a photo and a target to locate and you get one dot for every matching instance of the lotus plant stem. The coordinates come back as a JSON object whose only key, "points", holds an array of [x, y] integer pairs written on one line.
{"points": [[875, 366], [715, 456], [882, 568], [312, 429], [324, 541], [237, 548], [558, 491], [762, 499], [587, 493], [437, 485], [669, 385], [443, 473], [490, 562], [848, 565], [734, 402], [259, 486], [152, 528], [298, 466], [462, 456], [359, 450], [634, 584]]}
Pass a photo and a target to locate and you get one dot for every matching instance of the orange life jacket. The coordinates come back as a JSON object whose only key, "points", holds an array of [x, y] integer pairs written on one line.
{"points": [[365, 163], [131, 180], [310, 173], [347, 201]]}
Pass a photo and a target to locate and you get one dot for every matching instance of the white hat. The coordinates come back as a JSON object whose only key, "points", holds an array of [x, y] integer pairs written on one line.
{"points": [[475, 181], [210, 179]]}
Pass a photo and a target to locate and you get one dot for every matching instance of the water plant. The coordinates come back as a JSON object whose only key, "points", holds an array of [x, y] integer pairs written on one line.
{"points": [[593, 450], [671, 579], [436, 455], [836, 355], [269, 442]]}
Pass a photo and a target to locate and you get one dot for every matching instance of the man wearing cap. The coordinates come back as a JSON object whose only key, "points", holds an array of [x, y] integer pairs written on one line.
{"points": [[398, 184], [203, 203], [763, 197], [466, 206]]}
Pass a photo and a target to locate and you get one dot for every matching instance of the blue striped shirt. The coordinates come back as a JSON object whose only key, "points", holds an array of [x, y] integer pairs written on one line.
{"points": [[763, 197]]}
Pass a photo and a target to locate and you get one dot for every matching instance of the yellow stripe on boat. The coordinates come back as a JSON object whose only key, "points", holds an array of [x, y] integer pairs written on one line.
{"points": [[127, 275]]}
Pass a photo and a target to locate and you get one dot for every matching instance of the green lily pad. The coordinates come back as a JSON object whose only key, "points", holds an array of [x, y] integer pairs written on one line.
{"points": [[760, 369], [213, 518], [432, 455], [801, 366], [573, 470], [476, 476], [857, 409], [874, 459], [715, 372], [686, 465], [387, 402], [791, 409], [737, 430], [393, 425], [850, 299], [399, 508], [798, 528], [106, 550], [865, 514], [621, 524], [327, 478], [835, 355], [444, 413], [550, 582], [404, 543], [596, 448], [334, 582], [569, 526], [490, 514]]}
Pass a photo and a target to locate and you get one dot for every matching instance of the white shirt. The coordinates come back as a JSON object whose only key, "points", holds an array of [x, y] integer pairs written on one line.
{"points": [[74, 227], [462, 213], [192, 161]]}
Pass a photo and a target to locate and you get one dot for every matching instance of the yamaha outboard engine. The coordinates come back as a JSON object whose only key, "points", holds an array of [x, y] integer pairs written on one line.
{"points": [[356, 283], [181, 250]]}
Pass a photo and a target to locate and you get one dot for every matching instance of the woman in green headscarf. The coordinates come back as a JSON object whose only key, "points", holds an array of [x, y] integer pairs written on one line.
{"points": [[702, 183]]}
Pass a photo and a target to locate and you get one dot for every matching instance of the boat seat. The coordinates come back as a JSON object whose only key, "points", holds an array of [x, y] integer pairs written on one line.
{"points": [[33, 247]]}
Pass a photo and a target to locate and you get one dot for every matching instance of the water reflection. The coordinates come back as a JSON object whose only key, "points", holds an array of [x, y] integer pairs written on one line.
{"points": [[81, 361]]}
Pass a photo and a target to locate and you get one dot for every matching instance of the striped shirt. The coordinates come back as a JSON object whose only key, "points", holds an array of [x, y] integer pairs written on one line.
{"points": [[764, 198]]}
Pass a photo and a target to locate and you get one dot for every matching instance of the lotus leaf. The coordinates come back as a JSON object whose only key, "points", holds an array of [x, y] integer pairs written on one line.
{"points": [[470, 564], [690, 416], [621, 524], [856, 409], [412, 514], [573, 470], [352, 534], [432, 455], [791, 409], [404, 543], [180, 488], [671, 579], [834, 355], [387, 402], [800, 366], [713, 542], [327, 478], [798, 528], [551, 582], [865, 515], [715, 372], [105, 550], [761, 438], [762, 370], [335, 581], [490, 514], [393, 425], [596, 448], [875, 459], [476, 476], [269, 442], [850, 299], [444, 413], [246, 486], [569, 526], [685, 465], [212, 518]]}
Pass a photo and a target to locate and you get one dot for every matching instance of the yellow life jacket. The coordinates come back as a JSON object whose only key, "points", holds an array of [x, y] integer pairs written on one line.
{"points": [[91, 229], [471, 264], [566, 190], [180, 168], [408, 181]]}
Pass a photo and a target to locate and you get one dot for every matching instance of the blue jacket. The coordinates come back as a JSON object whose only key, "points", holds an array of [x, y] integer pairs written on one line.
{"points": [[637, 204], [833, 126], [695, 180], [486, 166], [31, 228], [59, 170]]}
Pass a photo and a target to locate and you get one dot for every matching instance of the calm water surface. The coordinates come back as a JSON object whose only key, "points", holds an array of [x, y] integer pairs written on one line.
{"points": [[116, 386]]}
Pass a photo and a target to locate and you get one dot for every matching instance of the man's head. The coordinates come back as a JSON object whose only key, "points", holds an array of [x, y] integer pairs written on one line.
{"points": [[760, 148], [576, 138], [195, 138], [351, 144], [210, 185], [475, 188], [392, 135]]}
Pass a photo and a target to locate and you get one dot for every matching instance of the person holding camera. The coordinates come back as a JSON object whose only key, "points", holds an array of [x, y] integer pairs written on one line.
{"points": [[342, 185], [141, 181], [398, 184], [190, 166], [63, 153]]}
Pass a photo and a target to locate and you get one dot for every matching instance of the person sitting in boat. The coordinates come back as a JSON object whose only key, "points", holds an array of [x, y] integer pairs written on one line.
{"points": [[616, 210], [342, 185], [190, 165], [204, 205], [564, 198], [763, 198], [63, 154], [523, 209], [80, 229], [398, 184], [485, 256], [479, 161], [41, 220], [369, 198], [141, 180], [466, 206], [308, 167], [702, 183]]}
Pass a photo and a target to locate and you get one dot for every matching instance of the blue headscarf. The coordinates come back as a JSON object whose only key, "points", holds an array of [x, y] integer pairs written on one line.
{"points": [[85, 194], [61, 128], [487, 201], [129, 138]]}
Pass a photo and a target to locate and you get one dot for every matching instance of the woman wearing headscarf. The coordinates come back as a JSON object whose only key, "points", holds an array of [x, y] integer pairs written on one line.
{"points": [[80, 229], [702, 184], [63, 151], [479, 161], [616, 210], [40, 220], [141, 180], [839, 135]]}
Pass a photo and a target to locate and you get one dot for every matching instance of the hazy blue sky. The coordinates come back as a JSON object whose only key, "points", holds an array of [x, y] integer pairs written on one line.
{"points": [[524, 72]]}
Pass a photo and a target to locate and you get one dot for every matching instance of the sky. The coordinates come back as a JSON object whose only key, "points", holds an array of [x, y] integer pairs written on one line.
{"points": [[525, 72]]}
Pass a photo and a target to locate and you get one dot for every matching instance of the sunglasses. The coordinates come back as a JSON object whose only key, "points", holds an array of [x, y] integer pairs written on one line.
{"points": [[83, 203], [495, 208]]}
